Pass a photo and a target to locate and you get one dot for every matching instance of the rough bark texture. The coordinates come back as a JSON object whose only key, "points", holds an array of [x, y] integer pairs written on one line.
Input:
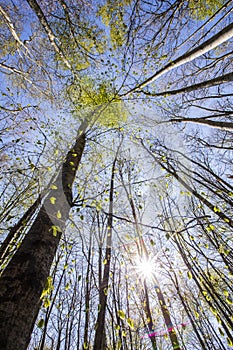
{"points": [[15, 231], [23, 280]]}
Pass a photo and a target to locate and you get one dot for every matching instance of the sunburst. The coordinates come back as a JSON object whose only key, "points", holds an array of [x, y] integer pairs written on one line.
{"points": [[145, 267]]}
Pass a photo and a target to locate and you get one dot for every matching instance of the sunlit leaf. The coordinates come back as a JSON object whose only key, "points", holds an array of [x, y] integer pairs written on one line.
{"points": [[52, 200], [121, 314], [40, 323]]}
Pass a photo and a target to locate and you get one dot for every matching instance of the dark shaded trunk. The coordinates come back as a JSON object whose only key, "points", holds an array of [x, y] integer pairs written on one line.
{"points": [[24, 278], [87, 299], [203, 85], [167, 318], [149, 317], [16, 231], [99, 341], [227, 126]]}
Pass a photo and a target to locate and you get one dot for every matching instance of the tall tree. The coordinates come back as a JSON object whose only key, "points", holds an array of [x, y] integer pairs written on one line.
{"points": [[75, 62]]}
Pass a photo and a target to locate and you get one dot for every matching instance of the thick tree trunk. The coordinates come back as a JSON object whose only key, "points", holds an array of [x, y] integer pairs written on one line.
{"points": [[15, 233], [24, 278]]}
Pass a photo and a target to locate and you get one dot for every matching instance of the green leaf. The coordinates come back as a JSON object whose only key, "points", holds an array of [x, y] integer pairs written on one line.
{"points": [[211, 228], [58, 214], [119, 344], [53, 187], [217, 210], [46, 303], [229, 342], [40, 323], [52, 200], [55, 230], [189, 274], [221, 331], [130, 323], [121, 314], [67, 286], [48, 287], [218, 319], [167, 235]]}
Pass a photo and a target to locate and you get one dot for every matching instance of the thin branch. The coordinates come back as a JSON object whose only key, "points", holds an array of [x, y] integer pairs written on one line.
{"points": [[204, 84], [216, 40], [43, 21], [12, 28]]}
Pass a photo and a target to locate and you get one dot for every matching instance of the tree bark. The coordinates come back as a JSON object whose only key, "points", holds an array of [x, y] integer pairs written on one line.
{"points": [[149, 317], [43, 21], [216, 40], [15, 232], [204, 84], [228, 221], [167, 318], [227, 126], [24, 278], [103, 293]]}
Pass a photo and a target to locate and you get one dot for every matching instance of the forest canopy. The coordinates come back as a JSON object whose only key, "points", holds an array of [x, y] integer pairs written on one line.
{"points": [[116, 175]]}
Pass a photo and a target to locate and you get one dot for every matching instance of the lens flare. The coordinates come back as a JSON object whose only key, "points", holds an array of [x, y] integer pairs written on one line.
{"points": [[145, 267]]}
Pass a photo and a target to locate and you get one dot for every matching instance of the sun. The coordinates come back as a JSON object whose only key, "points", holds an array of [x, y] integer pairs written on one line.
{"points": [[145, 267]]}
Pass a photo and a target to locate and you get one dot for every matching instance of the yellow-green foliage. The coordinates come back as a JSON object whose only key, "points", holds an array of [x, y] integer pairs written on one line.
{"points": [[200, 9], [7, 43], [78, 50], [112, 15], [97, 102]]}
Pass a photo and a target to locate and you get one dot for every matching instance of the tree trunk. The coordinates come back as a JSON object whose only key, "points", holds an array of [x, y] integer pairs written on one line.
{"points": [[216, 40], [169, 168], [227, 126], [24, 278], [149, 317], [103, 293], [167, 319], [43, 21], [15, 232], [202, 85]]}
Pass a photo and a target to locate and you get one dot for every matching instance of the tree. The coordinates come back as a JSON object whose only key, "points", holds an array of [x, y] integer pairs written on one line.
{"points": [[80, 79]]}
